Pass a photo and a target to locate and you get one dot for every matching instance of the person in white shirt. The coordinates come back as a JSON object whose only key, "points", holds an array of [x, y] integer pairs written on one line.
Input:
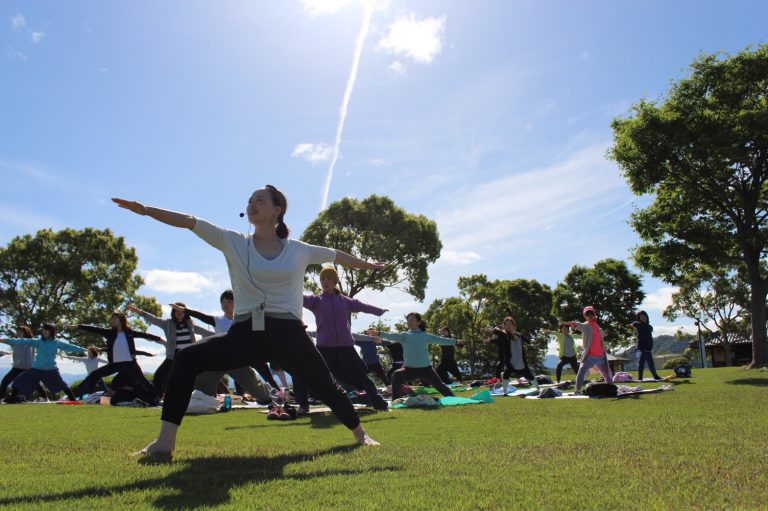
{"points": [[267, 274], [121, 353], [91, 362]]}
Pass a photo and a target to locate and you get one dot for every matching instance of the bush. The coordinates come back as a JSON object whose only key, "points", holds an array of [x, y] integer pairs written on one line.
{"points": [[675, 362]]}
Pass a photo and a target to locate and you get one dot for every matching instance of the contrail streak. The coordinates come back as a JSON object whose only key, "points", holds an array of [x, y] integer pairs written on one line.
{"points": [[368, 13]]}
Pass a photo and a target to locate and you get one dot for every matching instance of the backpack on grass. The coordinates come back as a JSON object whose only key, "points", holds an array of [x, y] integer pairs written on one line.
{"points": [[601, 390]]}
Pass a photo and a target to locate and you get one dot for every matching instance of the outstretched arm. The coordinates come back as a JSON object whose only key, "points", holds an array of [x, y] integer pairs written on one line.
{"points": [[350, 261], [436, 339], [165, 216], [205, 318], [150, 337], [151, 318]]}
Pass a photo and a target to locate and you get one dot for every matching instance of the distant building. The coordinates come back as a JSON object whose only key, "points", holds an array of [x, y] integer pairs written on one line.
{"points": [[734, 350]]}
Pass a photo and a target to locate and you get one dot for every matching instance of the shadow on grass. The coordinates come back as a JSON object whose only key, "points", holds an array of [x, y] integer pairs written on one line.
{"points": [[315, 421], [207, 482], [757, 382]]}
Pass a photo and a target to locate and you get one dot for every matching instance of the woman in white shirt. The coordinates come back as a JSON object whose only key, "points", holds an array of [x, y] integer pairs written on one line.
{"points": [[267, 273]]}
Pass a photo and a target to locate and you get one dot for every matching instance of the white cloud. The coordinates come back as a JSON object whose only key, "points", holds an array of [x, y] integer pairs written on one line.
{"points": [[660, 299], [165, 281], [18, 22], [419, 40], [315, 8], [524, 203], [457, 258], [15, 54], [36, 37], [378, 162], [398, 68], [313, 152]]}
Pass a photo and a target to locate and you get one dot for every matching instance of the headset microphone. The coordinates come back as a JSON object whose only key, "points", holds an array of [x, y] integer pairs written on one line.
{"points": [[242, 215]]}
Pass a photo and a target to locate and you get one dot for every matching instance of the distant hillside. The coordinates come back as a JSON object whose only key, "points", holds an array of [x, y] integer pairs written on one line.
{"points": [[662, 345]]}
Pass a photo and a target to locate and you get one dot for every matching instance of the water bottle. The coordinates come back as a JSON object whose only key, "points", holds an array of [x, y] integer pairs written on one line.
{"points": [[227, 402]]}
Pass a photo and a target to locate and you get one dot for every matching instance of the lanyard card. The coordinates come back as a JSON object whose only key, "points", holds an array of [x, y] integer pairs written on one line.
{"points": [[257, 319]]}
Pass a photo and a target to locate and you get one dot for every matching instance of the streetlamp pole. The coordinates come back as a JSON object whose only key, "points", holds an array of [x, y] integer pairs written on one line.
{"points": [[701, 344]]}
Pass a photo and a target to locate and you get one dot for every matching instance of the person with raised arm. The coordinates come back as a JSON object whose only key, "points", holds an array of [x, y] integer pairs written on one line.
{"points": [[179, 333], [566, 350], [448, 358], [370, 354], [512, 360], [44, 368], [594, 349], [22, 361], [121, 353], [267, 272], [91, 362], [245, 379], [416, 363], [335, 342], [644, 345]]}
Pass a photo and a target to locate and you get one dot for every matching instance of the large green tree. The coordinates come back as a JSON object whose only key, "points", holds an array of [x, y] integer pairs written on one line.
{"points": [[68, 276], [483, 303], [375, 228], [702, 153], [611, 288]]}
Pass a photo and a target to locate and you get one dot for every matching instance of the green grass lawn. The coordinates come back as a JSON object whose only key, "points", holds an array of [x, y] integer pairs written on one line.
{"points": [[702, 446]]}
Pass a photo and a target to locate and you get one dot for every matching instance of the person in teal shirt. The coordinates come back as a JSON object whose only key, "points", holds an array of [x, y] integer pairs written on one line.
{"points": [[44, 369], [416, 362]]}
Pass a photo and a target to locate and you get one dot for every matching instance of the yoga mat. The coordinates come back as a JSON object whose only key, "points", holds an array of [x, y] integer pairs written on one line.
{"points": [[317, 410], [479, 398]]}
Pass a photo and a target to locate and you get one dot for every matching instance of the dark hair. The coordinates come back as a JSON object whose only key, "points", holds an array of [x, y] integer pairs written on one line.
{"points": [[122, 318], [26, 331], [643, 313], [422, 323], [93, 350], [227, 295], [51, 329], [509, 318], [565, 323], [278, 199], [186, 316], [445, 327]]}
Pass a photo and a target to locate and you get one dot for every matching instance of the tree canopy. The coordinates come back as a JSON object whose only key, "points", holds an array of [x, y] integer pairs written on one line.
{"points": [[482, 303], [68, 276], [376, 229], [702, 153], [611, 288]]}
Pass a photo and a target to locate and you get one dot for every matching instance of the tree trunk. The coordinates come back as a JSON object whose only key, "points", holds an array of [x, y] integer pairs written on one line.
{"points": [[759, 333]]}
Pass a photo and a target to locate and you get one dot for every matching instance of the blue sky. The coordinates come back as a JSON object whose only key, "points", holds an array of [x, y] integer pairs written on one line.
{"points": [[491, 118]]}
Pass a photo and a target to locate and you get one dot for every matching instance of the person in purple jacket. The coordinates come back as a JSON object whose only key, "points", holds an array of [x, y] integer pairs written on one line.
{"points": [[334, 336]]}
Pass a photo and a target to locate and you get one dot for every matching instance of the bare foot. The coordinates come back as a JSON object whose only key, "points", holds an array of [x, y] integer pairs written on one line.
{"points": [[367, 440], [362, 437], [155, 448]]}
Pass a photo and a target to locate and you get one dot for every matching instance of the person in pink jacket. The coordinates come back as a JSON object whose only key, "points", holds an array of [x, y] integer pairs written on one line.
{"points": [[594, 350]]}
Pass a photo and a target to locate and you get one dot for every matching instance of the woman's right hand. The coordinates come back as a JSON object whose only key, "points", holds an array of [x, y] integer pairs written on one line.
{"points": [[136, 207], [132, 308]]}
